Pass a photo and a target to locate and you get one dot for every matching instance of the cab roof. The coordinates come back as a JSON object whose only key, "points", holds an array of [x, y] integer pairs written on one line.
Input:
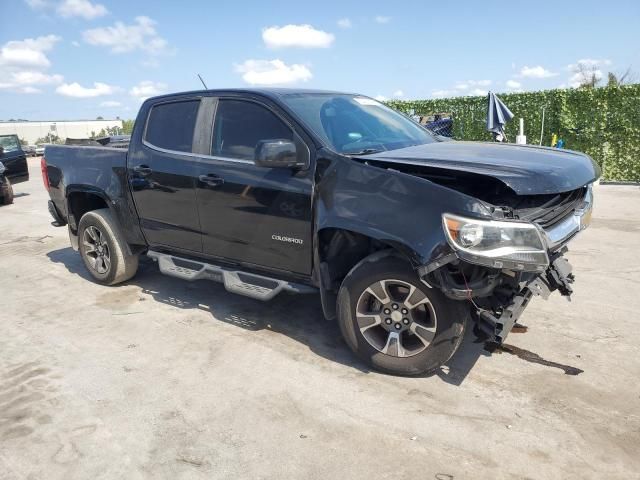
{"points": [[273, 93]]}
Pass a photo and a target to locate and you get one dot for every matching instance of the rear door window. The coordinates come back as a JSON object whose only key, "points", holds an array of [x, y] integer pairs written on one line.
{"points": [[240, 125], [171, 125]]}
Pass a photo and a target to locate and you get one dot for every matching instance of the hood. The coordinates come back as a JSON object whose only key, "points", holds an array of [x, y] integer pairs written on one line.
{"points": [[526, 169]]}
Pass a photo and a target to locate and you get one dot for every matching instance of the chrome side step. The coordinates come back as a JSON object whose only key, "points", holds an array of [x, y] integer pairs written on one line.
{"points": [[242, 283]]}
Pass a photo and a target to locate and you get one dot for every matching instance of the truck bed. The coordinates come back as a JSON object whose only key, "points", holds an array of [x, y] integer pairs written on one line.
{"points": [[72, 167]]}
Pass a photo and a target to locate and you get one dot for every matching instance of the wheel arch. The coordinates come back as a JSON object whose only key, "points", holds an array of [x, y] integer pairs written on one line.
{"points": [[81, 199], [340, 250]]}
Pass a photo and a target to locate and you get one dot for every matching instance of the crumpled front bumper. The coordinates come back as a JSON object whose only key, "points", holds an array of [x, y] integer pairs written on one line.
{"points": [[501, 295], [558, 235], [558, 276]]}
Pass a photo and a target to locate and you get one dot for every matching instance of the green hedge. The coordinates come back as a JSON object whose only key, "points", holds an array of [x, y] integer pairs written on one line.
{"points": [[602, 122]]}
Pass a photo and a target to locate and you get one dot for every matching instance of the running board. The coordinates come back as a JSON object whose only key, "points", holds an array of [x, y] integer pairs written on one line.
{"points": [[242, 283]]}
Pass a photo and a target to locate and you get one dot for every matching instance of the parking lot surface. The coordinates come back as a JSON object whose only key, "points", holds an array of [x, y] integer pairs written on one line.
{"points": [[160, 378]]}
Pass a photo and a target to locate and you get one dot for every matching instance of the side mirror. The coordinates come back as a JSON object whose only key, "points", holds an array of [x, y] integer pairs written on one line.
{"points": [[277, 154]]}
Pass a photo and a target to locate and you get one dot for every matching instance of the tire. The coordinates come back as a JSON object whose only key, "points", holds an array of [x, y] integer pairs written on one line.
{"points": [[429, 334], [7, 198], [100, 237]]}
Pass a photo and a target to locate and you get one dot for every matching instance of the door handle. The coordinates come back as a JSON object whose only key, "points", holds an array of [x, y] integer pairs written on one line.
{"points": [[211, 180], [143, 170]]}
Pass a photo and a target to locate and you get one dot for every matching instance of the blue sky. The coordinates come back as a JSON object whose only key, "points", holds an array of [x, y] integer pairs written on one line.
{"points": [[72, 59]]}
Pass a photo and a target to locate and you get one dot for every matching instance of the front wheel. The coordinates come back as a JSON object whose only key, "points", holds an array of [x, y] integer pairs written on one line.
{"points": [[103, 248], [394, 322]]}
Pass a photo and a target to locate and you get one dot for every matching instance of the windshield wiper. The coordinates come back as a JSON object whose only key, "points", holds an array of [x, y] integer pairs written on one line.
{"points": [[364, 151]]}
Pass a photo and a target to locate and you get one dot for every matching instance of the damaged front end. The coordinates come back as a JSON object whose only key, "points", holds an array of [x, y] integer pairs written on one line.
{"points": [[499, 265]]}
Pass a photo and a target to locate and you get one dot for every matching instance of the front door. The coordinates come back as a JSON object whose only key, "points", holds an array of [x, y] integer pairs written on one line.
{"points": [[162, 173], [250, 214], [13, 159]]}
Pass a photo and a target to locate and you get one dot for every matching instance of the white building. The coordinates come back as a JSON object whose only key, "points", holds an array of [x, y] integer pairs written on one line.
{"points": [[31, 131]]}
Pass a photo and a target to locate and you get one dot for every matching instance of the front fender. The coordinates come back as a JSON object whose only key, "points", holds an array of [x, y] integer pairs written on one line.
{"points": [[396, 208]]}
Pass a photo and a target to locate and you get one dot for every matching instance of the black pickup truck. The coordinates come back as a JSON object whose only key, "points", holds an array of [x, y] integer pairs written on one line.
{"points": [[407, 237], [13, 167]]}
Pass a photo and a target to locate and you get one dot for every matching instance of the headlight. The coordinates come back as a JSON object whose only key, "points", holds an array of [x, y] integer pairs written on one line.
{"points": [[498, 244]]}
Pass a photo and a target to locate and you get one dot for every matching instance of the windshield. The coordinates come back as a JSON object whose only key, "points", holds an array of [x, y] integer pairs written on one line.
{"points": [[354, 124], [9, 143]]}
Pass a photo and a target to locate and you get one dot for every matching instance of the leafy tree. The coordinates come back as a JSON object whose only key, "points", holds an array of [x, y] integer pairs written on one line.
{"points": [[113, 130], [105, 132], [49, 139], [617, 80], [127, 127], [589, 75], [23, 141]]}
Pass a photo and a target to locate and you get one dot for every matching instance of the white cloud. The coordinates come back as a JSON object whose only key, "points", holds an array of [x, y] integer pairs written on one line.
{"points": [[467, 84], [69, 8], [303, 36], [78, 91], [344, 23], [382, 19], [589, 62], [38, 4], [110, 104], [22, 64], [398, 94], [535, 72], [29, 90], [27, 77], [28, 52], [272, 72], [512, 84], [478, 92], [81, 8], [442, 93], [147, 88], [467, 87], [457, 92], [122, 38]]}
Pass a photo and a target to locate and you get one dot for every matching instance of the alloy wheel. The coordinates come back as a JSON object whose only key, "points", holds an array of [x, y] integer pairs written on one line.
{"points": [[96, 249], [396, 318]]}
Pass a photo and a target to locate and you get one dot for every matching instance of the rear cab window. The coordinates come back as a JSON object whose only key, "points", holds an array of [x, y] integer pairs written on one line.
{"points": [[171, 125]]}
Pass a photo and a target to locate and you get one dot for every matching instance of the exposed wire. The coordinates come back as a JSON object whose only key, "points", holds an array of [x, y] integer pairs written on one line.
{"points": [[469, 297]]}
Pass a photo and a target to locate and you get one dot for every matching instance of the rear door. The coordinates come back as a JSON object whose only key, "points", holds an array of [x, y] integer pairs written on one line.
{"points": [[162, 172], [250, 214]]}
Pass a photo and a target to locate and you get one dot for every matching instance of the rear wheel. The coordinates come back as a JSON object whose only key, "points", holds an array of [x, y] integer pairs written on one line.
{"points": [[7, 197], [103, 248], [395, 322]]}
